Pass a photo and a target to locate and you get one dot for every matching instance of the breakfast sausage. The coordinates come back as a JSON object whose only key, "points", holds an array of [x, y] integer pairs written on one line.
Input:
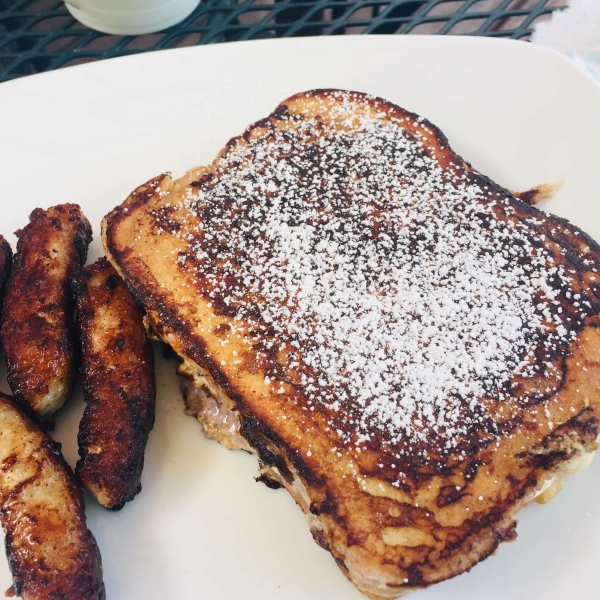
{"points": [[118, 383], [51, 552], [37, 321]]}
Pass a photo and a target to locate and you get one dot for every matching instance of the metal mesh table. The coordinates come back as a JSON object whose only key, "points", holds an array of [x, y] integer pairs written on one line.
{"points": [[40, 35]]}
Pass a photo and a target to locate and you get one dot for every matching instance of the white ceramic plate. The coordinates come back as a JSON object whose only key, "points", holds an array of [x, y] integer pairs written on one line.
{"points": [[202, 527]]}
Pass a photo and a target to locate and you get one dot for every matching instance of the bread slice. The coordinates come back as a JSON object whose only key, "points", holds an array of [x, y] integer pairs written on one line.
{"points": [[411, 351]]}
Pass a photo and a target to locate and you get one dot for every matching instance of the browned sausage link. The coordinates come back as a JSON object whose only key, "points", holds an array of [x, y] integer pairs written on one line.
{"points": [[37, 320], [118, 384], [5, 265], [51, 552]]}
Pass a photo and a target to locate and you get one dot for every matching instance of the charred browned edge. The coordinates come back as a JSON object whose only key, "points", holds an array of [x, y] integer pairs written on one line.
{"points": [[87, 582], [487, 536], [136, 200], [479, 536], [167, 322], [118, 383], [583, 427], [268, 481], [497, 525], [529, 196]]}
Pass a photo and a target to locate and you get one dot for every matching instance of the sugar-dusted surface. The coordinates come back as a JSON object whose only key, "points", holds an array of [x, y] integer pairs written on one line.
{"points": [[400, 295]]}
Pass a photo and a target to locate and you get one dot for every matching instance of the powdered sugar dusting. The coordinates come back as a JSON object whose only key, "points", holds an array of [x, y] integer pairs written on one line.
{"points": [[403, 292]]}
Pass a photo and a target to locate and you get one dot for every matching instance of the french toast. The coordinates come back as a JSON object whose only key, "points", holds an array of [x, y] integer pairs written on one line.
{"points": [[408, 348], [117, 365]]}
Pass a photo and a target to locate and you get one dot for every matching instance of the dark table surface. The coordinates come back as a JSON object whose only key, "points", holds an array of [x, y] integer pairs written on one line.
{"points": [[40, 35]]}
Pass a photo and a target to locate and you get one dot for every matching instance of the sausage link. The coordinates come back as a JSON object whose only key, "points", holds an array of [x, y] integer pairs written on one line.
{"points": [[118, 383], [37, 320], [50, 550]]}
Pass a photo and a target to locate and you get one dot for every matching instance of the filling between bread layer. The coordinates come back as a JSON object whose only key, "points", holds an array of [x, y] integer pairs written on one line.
{"points": [[207, 401], [554, 483], [216, 412]]}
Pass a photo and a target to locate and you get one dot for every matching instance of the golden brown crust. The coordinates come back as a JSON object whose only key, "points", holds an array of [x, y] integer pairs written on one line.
{"points": [[51, 552], [119, 386], [451, 511], [37, 321]]}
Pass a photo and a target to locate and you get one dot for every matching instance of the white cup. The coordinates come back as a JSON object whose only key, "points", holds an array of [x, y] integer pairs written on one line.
{"points": [[130, 17]]}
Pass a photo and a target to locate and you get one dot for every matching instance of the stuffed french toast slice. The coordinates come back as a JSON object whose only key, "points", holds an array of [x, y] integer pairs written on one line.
{"points": [[408, 348]]}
